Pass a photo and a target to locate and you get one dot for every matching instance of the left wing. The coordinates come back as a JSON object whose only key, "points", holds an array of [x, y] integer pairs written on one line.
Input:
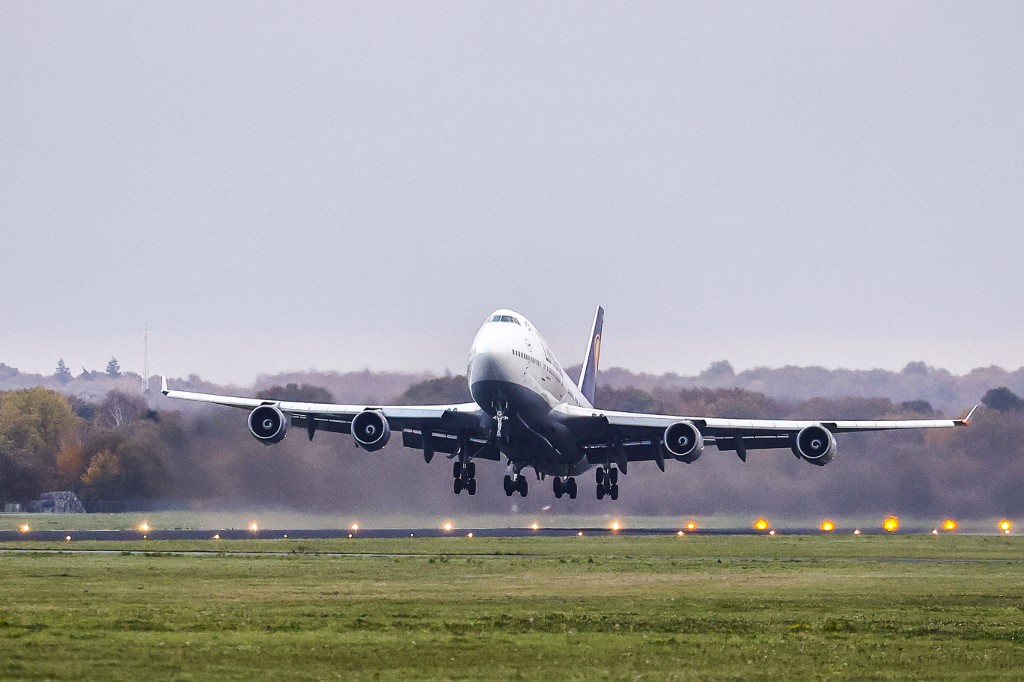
{"points": [[431, 428], [608, 436]]}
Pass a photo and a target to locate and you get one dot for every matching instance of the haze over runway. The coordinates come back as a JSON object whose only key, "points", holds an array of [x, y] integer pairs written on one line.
{"points": [[277, 187]]}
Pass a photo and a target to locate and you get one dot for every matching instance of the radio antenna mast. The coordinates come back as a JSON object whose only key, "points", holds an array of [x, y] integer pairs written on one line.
{"points": [[145, 359]]}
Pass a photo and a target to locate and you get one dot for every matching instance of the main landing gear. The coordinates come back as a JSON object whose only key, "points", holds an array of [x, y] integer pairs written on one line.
{"points": [[607, 483], [566, 486], [515, 484], [465, 477]]}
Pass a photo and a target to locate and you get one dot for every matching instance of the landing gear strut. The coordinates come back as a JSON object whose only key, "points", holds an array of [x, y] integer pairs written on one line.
{"points": [[465, 477], [515, 484], [566, 486], [607, 483], [500, 417]]}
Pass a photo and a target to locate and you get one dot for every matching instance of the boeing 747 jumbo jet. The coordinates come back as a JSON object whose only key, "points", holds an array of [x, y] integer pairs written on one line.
{"points": [[528, 409]]}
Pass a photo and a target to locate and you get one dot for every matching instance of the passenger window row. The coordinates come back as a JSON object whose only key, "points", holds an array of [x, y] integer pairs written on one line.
{"points": [[524, 356]]}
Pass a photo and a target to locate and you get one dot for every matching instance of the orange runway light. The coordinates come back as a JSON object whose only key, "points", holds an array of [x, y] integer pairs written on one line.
{"points": [[447, 527], [254, 527], [827, 526], [891, 524], [24, 528], [949, 525], [535, 526], [1005, 526], [355, 527], [615, 526], [761, 524], [144, 526], [691, 526]]}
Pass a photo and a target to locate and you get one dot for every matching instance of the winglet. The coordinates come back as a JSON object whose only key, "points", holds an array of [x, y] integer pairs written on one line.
{"points": [[163, 385], [967, 419]]}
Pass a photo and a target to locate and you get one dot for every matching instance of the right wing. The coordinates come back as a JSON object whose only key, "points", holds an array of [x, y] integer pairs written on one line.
{"points": [[612, 436], [431, 428]]}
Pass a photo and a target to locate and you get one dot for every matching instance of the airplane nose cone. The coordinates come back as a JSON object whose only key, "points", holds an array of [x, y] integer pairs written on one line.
{"points": [[486, 366]]}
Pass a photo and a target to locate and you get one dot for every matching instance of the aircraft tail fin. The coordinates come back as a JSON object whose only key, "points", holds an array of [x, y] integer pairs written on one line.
{"points": [[588, 375]]}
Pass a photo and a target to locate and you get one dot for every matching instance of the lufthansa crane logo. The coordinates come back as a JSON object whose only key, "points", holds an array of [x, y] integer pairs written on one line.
{"points": [[597, 349]]}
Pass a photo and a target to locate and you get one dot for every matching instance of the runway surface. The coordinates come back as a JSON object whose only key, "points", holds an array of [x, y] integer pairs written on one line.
{"points": [[323, 534]]}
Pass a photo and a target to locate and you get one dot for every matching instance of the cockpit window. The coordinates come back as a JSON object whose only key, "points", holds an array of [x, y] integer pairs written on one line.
{"points": [[504, 318]]}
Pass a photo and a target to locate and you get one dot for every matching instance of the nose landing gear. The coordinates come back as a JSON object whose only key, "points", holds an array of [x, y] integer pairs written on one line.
{"points": [[500, 417]]}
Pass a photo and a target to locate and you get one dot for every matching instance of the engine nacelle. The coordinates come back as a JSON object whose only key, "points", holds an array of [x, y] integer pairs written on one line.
{"points": [[371, 430], [815, 444], [684, 442], [268, 424]]}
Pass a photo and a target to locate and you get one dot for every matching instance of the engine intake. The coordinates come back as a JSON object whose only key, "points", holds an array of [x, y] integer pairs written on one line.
{"points": [[268, 424], [371, 430], [684, 442], [815, 444]]}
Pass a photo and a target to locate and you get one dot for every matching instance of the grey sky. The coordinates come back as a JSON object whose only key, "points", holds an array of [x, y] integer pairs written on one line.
{"points": [[339, 186]]}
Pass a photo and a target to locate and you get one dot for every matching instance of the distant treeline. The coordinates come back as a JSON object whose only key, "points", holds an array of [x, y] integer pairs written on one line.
{"points": [[127, 446], [947, 392]]}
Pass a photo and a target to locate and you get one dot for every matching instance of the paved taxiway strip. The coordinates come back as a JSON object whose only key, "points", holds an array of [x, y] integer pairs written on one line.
{"points": [[491, 555]]}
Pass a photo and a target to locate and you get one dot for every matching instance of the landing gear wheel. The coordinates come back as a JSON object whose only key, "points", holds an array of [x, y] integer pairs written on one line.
{"points": [[556, 486], [458, 486], [522, 486], [599, 475], [457, 469], [600, 491], [571, 488], [615, 491], [471, 470], [471, 486], [508, 485], [614, 473]]}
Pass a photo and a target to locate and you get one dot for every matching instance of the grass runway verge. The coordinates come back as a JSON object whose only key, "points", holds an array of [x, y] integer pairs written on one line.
{"points": [[697, 607]]}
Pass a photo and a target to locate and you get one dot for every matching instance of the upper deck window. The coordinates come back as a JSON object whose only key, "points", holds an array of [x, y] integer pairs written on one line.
{"points": [[504, 318]]}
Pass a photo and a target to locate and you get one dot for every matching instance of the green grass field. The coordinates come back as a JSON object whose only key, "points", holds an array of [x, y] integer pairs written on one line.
{"points": [[752, 607]]}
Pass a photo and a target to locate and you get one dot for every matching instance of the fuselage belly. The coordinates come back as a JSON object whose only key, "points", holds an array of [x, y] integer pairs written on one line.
{"points": [[513, 371]]}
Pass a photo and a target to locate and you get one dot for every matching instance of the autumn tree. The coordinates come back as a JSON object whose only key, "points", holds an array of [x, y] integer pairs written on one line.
{"points": [[1002, 399], [36, 426], [440, 391], [305, 393], [124, 462], [120, 408]]}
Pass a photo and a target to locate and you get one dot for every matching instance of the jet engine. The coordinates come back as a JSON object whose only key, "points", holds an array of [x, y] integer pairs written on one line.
{"points": [[815, 444], [371, 430], [684, 441], [268, 424]]}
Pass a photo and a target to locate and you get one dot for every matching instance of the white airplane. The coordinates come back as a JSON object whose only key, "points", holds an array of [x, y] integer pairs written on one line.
{"points": [[528, 409]]}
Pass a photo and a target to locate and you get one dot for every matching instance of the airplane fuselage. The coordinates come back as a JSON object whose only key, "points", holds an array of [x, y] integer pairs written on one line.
{"points": [[514, 376]]}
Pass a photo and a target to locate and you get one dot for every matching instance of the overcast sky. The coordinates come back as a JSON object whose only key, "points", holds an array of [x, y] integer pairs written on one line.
{"points": [[339, 186]]}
